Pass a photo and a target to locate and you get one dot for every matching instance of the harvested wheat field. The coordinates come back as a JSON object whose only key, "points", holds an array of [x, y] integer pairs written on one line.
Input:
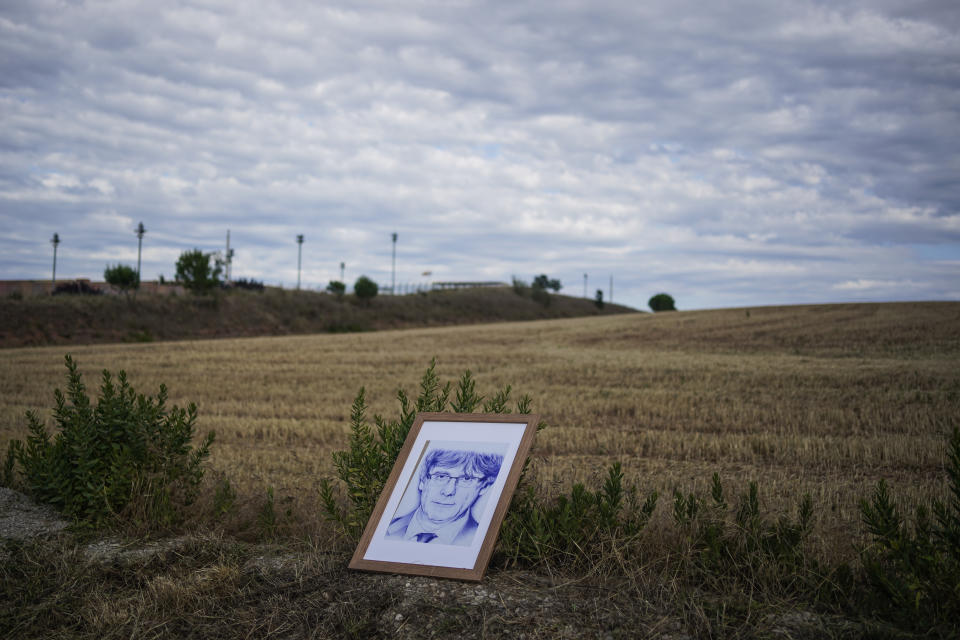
{"points": [[823, 400]]}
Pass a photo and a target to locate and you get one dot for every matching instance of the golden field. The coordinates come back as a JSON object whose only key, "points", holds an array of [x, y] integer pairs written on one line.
{"points": [[819, 399]]}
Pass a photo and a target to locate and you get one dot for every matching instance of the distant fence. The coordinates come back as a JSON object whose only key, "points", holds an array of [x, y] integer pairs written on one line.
{"points": [[422, 287], [467, 285]]}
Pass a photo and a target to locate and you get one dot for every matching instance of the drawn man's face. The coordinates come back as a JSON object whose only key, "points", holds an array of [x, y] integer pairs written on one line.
{"points": [[448, 492]]}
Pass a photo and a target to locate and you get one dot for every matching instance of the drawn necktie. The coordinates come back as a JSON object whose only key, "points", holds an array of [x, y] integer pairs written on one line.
{"points": [[425, 537]]}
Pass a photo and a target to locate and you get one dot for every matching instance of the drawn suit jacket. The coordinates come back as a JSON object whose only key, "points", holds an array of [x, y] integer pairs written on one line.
{"points": [[397, 530]]}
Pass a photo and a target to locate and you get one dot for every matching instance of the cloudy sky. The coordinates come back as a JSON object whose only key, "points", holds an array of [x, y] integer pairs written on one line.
{"points": [[732, 153]]}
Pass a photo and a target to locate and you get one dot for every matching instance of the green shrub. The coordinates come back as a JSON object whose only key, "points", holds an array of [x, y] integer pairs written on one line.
{"points": [[336, 288], [539, 290], [662, 302], [270, 526], [224, 498], [195, 272], [364, 467], [126, 453], [543, 282], [365, 288], [576, 529], [122, 276], [915, 574], [744, 545]]}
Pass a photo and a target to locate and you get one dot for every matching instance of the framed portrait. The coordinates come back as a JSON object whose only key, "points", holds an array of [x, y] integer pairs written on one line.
{"points": [[446, 497]]}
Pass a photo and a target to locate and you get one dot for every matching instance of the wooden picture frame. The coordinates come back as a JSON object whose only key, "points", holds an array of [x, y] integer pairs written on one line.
{"points": [[442, 506]]}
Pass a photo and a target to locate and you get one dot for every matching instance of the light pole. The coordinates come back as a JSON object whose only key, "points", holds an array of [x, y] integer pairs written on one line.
{"points": [[584, 285], [299, 255], [140, 230], [228, 260], [55, 240], [342, 267], [393, 277]]}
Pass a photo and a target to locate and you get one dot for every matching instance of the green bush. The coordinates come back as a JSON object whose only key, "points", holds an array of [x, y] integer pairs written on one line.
{"points": [[126, 453], [195, 272], [662, 302], [745, 545], [543, 282], [336, 288], [539, 290], [364, 467], [577, 529], [365, 288], [122, 277], [915, 574]]}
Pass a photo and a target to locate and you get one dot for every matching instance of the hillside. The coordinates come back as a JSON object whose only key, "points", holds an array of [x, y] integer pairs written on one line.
{"points": [[66, 319]]}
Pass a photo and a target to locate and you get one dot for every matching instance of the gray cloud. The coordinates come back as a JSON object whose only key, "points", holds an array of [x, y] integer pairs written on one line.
{"points": [[744, 153]]}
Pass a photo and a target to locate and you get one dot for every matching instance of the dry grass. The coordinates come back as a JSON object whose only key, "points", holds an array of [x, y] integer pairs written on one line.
{"points": [[823, 399]]}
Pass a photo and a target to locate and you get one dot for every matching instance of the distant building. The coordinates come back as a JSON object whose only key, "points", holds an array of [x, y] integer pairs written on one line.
{"points": [[466, 285]]}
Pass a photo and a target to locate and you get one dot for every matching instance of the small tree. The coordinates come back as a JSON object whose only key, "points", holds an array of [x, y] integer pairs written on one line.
{"points": [[662, 302], [543, 282], [337, 288], [195, 272], [598, 299], [122, 277], [365, 288], [539, 289]]}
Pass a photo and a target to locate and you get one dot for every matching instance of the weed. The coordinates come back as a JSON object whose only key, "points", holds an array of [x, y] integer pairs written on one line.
{"points": [[576, 529], [916, 574], [365, 465], [128, 451], [267, 521], [745, 545], [224, 498]]}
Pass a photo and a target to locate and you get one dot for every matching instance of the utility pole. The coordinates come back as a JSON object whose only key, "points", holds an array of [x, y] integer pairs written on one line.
{"points": [[611, 289], [393, 277], [55, 240], [299, 254], [584, 285], [229, 258], [343, 265], [140, 230]]}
